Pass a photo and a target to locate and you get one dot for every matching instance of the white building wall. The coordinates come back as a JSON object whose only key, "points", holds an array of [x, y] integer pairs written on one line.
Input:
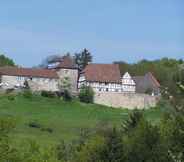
{"points": [[100, 86], [12, 81], [36, 83], [127, 85]]}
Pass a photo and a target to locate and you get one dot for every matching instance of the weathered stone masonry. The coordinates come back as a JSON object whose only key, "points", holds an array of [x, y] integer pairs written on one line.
{"points": [[125, 100]]}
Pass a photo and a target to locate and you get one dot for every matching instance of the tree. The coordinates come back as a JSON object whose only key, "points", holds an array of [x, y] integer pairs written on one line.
{"points": [[133, 120], [86, 94], [83, 59], [145, 144], [5, 61], [114, 148], [65, 88]]}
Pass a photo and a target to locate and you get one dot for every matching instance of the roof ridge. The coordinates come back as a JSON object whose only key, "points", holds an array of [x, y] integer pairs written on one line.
{"points": [[154, 79]]}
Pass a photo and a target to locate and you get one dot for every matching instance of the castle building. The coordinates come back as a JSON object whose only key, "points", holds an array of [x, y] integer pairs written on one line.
{"points": [[107, 78], [40, 79], [101, 77]]}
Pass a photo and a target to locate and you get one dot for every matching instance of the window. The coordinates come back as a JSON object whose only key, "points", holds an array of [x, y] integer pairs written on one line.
{"points": [[19, 78], [66, 71]]}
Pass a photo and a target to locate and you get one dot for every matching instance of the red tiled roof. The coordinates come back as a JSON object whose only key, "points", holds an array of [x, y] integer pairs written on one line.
{"points": [[66, 62], [102, 73], [28, 72]]}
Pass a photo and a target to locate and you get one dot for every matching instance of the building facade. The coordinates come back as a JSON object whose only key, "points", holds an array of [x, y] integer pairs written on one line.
{"points": [[40, 79], [101, 77], [106, 78]]}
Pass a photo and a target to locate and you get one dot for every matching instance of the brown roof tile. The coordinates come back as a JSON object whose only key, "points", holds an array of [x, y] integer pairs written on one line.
{"points": [[67, 62], [28, 72], [102, 73]]}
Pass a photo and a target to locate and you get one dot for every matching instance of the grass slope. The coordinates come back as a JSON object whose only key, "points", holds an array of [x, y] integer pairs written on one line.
{"points": [[66, 119]]}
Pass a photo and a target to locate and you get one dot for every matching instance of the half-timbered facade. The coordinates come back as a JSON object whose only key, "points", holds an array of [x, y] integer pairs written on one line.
{"points": [[106, 77]]}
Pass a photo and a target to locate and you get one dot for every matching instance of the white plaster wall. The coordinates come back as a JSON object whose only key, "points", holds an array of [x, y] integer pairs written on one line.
{"points": [[11, 81], [36, 84]]}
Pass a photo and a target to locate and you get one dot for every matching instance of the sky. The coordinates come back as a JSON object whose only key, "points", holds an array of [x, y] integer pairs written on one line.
{"points": [[112, 30]]}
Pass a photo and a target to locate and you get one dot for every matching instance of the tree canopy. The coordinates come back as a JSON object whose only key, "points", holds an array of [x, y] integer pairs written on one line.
{"points": [[83, 58], [5, 61]]}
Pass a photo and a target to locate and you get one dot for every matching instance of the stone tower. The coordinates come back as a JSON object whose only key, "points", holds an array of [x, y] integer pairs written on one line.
{"points": [[66, 67]]}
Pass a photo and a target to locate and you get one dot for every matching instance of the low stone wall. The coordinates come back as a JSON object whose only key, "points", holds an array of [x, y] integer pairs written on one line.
{"points": [[125, 100]]}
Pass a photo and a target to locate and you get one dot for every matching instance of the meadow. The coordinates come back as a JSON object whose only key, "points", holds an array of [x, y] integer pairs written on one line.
{"points": [[49, 120]]}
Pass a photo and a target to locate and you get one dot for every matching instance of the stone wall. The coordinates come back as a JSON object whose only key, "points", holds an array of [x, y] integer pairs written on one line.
{"points": [[125, 100], [72, 74]]}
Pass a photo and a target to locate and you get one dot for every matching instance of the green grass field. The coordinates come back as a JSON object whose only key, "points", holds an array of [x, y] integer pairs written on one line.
{"points": [[65, 118]]}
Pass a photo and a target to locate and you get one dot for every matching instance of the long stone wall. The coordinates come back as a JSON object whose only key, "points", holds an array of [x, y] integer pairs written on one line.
{"points": [[125, 100]]}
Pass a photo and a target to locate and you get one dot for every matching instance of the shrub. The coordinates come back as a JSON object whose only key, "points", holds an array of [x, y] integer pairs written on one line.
{"points": [[11, 97], [86, 94], [66, 95], [26, 85], [49, 130], [27, 94], [48, 94], [134, 118], [34, 124], [10, 90]]}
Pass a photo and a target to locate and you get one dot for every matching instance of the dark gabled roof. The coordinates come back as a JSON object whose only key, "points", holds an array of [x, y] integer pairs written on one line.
{"points": [[67, 62], [154, 80], [28, 72], [143, 83], [102, 73]]}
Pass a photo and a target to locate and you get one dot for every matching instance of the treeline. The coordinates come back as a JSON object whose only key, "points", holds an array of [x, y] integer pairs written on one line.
{"points": [[137, 140], [5, 61]]}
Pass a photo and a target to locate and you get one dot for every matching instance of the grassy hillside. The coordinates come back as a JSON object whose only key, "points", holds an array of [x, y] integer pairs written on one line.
{"points": [[65, 119]]}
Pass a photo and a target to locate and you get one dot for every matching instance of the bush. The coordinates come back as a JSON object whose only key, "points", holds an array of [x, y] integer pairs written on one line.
{"points": [[26, 85], [10, 90], [27, 94], [133, 120], [11, 97], [48, 94], [34, 124], [67, 96], [86, 94], [49, 130]]}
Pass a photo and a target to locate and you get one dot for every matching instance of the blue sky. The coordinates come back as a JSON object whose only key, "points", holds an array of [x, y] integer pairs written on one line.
{"points": [[127, 30]]}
